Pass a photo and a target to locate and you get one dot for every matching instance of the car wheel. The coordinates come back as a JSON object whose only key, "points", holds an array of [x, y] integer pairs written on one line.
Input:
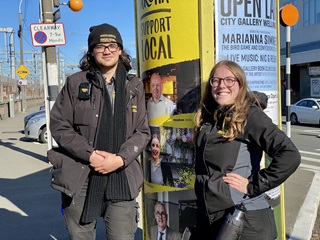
{"points": [[294, 119], [43, 138]]}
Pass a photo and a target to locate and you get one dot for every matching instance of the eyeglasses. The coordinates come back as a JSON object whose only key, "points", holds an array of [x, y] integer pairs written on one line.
{"points": [[111, 47], [161, 214], [228, 81]]}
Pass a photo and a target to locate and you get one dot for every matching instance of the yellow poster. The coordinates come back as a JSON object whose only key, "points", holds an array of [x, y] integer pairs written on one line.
{"points": [[169, 65], [167, 32]]}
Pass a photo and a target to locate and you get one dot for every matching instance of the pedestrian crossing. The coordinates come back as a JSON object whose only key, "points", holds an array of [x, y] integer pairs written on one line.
{"points": [[310, 160]]}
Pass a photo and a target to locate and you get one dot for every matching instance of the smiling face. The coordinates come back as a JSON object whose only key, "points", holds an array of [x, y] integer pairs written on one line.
{"points": [[156, 86], [155, 149], [222, 94], [105, 58], [160, 215]]}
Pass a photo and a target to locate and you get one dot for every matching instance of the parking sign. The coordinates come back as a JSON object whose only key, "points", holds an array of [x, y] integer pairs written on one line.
{"points": [[47, 34]]}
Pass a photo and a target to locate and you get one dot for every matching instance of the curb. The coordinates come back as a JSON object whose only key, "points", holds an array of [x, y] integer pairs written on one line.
{"points": [[303, 227]]}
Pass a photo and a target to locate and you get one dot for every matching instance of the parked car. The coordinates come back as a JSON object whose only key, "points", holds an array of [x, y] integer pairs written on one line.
{"points": [[26, 118], [306, 110], [36, 128]]}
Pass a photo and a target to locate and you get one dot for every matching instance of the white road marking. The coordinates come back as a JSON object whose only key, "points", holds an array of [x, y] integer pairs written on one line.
{"points": [[310, 167], [310, 153], [8, 205]]}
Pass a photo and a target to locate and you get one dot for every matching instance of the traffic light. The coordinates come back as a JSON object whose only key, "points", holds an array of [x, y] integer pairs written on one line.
{"points": [[75, 5]]}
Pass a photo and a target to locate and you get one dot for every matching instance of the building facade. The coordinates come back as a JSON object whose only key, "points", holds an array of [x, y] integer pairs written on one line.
{"points": [[304, 51]]}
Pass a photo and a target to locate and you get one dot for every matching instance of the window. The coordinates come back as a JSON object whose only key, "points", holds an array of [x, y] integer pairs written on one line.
{"points": [[317, 16], [311, 103], [302, 104], [311, 12]]}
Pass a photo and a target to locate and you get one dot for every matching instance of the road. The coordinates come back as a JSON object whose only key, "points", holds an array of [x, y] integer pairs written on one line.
{"points": [[302, 189], [29, 208]]}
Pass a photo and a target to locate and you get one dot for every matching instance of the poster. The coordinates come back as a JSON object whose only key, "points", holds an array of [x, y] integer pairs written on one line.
{"points": [[246, 32], [169, 65], [315, 87]]}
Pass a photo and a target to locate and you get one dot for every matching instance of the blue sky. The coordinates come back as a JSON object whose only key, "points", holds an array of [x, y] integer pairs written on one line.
{"points": [[119, 13]]}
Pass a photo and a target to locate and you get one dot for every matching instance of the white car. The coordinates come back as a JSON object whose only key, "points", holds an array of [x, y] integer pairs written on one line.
{"points": [[306, 110], [36, 128]]}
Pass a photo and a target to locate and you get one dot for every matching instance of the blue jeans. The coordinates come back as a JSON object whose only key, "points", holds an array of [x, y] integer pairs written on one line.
{"points": [[121, 218]]}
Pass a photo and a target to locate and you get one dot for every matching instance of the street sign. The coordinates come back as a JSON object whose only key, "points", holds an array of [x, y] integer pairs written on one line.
{"points": [[47, 34], [22, 82], [22, 71]]}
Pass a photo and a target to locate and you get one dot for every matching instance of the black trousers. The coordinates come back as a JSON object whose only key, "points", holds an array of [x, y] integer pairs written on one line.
{"points": [[120, 218], [258, 224]]}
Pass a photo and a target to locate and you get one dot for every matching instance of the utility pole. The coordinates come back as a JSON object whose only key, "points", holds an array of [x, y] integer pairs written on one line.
{"points": [[51, 77], [50, 67], [9, 57], [59, 71], [20, 34]]}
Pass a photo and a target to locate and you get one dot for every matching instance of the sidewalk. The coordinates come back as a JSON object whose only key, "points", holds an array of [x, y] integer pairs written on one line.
{"points": [[306, 223], [29, 207], [303, 224]]}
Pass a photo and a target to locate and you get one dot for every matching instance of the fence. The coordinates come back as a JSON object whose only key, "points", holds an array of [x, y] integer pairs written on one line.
{"points": [[32, 90], [31, 102], [34, 95]]}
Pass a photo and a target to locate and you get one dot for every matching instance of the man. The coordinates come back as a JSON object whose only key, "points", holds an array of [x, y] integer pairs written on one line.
{"points": [[162, 231], [158, 105], [100, 123]]}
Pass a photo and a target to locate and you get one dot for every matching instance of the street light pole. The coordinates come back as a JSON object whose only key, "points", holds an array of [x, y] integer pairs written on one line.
{"points": [[20, 34]]}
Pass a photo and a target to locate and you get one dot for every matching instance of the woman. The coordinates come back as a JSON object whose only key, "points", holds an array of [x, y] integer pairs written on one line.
{"points": [[159, 172], [232, 132]]}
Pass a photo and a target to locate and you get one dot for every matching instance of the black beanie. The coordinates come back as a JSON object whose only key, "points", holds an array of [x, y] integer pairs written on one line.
{"points": [[104, 33]]}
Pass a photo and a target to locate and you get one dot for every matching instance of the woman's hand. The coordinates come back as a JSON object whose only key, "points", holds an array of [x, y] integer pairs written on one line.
{"points": [[237, 182]]}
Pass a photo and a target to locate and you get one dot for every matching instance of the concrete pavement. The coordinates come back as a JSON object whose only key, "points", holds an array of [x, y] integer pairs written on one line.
{"points": [[302, 194], [29, 208]]}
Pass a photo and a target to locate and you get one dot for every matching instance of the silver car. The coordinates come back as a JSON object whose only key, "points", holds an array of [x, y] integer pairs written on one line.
{"points": [[26, 118], [306, 110], [36, 128]]}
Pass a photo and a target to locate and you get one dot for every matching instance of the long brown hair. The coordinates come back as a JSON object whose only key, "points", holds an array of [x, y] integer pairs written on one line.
{"points": [[238, 110]]}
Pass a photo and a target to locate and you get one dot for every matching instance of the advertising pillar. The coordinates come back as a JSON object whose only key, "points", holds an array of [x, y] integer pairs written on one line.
{"points": [[168, 58], [178, 43]]}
